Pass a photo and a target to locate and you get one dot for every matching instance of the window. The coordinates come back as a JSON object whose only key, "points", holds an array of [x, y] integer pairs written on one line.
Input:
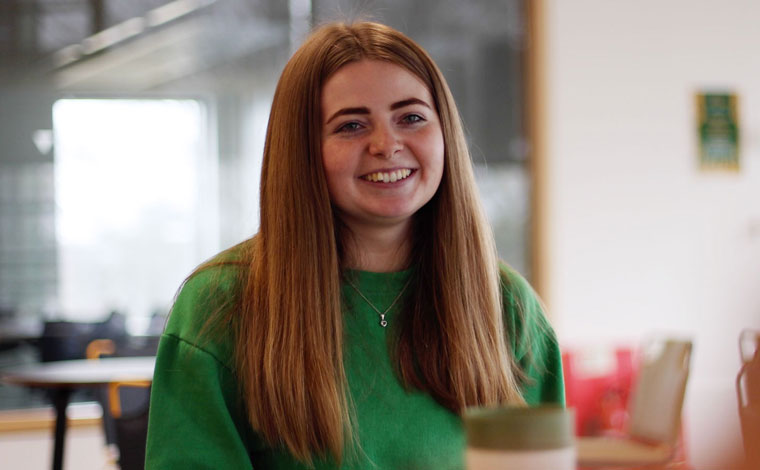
{"points": [[135, 191]]}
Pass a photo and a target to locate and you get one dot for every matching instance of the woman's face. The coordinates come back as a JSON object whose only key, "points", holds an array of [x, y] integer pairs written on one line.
{"points": [[382, 145]]}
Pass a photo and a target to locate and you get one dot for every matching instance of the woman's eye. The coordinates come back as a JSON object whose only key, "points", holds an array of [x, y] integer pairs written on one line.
{"points": [[349, 127], [412, 119]]}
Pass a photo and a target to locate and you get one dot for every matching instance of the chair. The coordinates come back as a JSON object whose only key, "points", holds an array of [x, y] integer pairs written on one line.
{"points": [[64, 340], [125, 405], [748, 397], [655, 416], [128, 409]]}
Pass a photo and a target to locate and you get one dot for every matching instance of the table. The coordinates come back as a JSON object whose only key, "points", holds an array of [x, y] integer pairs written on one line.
{"points": [[63, 377]]}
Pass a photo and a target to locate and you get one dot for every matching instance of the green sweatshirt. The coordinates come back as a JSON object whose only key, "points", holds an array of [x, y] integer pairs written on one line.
{"points": [[197, 418]]}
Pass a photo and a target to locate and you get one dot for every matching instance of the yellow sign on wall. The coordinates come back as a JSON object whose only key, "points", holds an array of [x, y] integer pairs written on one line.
{"points": [[718, 131]]}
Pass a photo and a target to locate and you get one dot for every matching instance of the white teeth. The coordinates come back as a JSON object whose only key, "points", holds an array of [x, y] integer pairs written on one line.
{"points": [[388, 177]]}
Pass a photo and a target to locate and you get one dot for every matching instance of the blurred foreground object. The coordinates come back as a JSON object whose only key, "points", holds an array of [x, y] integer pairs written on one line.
{"points": [[528, 438], [655, 415], [748, 396]]}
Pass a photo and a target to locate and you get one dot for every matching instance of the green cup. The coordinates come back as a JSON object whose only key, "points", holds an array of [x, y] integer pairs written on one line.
{"points": [[520, 437]]}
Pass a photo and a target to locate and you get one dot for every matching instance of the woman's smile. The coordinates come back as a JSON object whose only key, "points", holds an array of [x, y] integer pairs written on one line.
{"points": [[386, 177]]}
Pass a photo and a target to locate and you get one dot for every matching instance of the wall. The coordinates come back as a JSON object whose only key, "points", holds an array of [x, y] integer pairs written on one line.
{"points": [[28, 253], [639, 241]]}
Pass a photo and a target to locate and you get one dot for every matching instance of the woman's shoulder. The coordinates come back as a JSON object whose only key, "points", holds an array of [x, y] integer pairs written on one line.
{"points": [[524, 312], [217, 278], [516, 290], [202, 306], [532, 340]]}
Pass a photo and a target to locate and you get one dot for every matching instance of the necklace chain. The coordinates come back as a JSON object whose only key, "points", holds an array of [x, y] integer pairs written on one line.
{"points": [[382, 314]]}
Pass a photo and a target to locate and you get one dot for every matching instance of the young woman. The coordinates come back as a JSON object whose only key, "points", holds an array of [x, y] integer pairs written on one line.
{"points": [[370, 309]]}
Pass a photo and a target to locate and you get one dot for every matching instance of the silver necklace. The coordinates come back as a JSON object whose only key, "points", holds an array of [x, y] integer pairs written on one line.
{"points": [[382, 314]]}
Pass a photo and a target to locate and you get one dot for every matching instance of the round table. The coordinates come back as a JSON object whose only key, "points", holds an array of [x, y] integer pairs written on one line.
{"points": [[63, 377]]}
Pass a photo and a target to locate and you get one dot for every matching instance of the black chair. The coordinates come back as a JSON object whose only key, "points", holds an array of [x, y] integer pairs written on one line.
{"points": [[68, 340], [125, 405], [129, 412], [64, 340]]}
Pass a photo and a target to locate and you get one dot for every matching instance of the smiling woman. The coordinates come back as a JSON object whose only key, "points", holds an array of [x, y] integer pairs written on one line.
{"points": [[382, 151], [370, 309]]}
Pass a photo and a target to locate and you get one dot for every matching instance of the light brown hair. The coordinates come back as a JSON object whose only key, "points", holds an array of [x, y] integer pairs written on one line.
{"points": [[451, 341]]}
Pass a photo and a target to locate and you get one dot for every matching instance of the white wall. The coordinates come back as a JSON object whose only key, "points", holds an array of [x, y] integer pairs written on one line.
{"points": [[640, 241]]}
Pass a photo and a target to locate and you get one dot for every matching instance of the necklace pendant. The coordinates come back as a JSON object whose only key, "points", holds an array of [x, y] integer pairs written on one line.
{"points": [[383, 323]]}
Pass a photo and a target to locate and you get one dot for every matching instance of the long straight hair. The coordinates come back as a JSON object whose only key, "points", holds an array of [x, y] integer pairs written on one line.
{"points": [[451, 340]]}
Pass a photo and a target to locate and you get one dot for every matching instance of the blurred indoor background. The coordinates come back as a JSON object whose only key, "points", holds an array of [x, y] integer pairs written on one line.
{"points": [[131, 134]]}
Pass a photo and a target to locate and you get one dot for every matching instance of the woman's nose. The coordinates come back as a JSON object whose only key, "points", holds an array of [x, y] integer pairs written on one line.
{"points": [[384, 142]]}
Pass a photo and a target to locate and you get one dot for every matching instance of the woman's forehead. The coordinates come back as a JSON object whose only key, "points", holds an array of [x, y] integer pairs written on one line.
{"points": [[372, 82]]}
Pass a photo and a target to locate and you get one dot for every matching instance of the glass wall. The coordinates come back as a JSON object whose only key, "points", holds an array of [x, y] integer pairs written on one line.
{"points": [[132, 136]]}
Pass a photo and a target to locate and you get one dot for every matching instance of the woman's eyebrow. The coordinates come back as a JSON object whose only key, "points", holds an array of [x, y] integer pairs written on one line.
{"points": [[365, 110], [345, 111], [407, 102]]}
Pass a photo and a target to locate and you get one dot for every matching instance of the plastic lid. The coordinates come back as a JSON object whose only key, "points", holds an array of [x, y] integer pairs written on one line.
{"points": [[519, 428]]}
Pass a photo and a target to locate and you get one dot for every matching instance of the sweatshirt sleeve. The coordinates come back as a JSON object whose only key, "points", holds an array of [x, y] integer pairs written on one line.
{"points": [[197, 418], [533, 341], [194, 418]]}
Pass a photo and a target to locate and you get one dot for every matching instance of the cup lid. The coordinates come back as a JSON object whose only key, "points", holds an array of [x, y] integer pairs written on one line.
{"points": [[519, 428]]}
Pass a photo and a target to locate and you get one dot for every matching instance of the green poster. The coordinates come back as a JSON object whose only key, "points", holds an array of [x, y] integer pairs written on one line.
{"points": [[718, 128]]}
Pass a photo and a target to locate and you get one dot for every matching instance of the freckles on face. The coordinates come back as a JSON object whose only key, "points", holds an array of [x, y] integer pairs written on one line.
{"points": [[382, 144]]}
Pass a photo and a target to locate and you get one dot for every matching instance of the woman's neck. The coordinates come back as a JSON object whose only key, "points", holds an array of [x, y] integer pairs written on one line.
{"points": [[379, 249]]}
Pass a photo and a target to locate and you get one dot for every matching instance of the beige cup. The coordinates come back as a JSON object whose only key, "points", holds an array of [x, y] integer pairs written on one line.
{"points": [[525, 438]]}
